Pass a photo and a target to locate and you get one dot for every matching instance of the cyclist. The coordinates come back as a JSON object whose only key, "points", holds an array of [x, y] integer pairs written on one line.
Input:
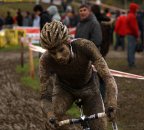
{"points": [[66, 74]]}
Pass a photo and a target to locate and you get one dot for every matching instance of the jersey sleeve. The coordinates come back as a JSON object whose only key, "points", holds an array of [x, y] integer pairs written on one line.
{"points": [[101, 66], [46, 84]]}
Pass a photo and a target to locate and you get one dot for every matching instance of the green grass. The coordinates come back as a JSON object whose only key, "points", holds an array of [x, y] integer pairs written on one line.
{"points": [[32, 83], [10, 48], [26, 79], [74, 111]]}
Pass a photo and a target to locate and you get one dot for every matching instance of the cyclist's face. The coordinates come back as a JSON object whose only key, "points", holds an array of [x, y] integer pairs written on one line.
{"points": [[84, 13], [61, 54]]}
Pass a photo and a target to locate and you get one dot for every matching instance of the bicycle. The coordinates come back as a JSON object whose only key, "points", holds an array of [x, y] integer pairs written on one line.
{"points": [[84, 120]]}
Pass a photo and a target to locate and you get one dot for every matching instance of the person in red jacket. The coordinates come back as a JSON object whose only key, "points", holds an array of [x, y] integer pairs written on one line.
{"points": [[132, 32], [120, 30]]}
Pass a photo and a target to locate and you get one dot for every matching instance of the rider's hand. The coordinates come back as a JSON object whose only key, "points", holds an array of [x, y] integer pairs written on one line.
{"points": [[111, 113], [52, 122]]}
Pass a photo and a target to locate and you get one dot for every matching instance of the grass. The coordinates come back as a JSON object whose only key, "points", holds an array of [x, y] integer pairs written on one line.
{"points": [[10, 48], [26, 78], [74, 112]]}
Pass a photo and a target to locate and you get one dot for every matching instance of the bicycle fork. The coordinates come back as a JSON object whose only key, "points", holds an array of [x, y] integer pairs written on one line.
{"points": [[114, 125]]}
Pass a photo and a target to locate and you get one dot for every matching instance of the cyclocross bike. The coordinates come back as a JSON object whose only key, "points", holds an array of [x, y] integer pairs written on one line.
{"points": [[84, 120]]}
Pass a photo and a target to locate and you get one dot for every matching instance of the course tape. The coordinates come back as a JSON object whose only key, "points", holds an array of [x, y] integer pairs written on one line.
{"points": [[126, 75], [36, 48], [113, 72]]}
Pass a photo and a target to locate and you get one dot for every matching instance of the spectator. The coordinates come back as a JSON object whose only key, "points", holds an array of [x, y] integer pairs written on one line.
{"points": [[74, 19], [64, 5], [88, 27], [70, 19], [96, 9], [107, 12], [19, 18], [1, 23], [66, 16], [105, 23], [132, 32], [120, 30], [9, 20], [53, 11], [140, 19], [27, 19], [38, 9], [44, 17]]}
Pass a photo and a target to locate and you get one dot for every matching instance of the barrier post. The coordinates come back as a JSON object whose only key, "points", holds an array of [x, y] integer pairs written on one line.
{"points": [[31, 63], [21, 39], [22, 53]]}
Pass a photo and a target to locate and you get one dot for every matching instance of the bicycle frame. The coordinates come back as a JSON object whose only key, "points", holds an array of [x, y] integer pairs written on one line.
{"points": [[85, 124], [84, 120]]}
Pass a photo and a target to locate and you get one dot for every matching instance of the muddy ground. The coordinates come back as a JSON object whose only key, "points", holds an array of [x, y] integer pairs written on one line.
{"points": [[20, 108]]}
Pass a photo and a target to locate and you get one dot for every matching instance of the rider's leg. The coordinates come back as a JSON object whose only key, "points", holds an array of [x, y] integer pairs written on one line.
{"points": [[62, 101], [93, 103]]}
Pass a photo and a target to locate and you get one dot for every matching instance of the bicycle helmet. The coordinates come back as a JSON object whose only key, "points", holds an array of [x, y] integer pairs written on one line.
{"points": [[54, 34]]}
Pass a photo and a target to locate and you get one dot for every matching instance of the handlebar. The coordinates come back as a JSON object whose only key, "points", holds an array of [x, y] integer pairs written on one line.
{"points": [[82, 119]]}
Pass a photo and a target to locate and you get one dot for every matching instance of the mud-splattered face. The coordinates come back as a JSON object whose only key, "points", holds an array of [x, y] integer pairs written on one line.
{"points": [[61, 54]]}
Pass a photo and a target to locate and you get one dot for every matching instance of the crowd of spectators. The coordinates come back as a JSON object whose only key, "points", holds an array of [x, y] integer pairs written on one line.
{"points": [[39, 16], [105, 22]]}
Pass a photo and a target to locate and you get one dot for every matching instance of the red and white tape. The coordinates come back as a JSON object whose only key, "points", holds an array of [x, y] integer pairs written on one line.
{"points": [[114, 72], [36, 48], [126, 75]]}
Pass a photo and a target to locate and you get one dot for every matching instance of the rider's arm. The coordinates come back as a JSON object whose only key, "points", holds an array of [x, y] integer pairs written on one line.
{"points": [[102, 68], [46, 84]]}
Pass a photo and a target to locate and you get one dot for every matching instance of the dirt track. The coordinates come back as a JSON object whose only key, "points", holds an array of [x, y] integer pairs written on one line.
{"points": [[19, 106]]}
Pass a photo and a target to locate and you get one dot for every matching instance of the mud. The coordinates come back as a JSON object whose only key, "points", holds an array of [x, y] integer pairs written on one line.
{"points": [[19, 106]]}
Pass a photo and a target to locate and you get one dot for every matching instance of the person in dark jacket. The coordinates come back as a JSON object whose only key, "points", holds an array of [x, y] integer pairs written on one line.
{"points": [[106, 26], [9, 20], [96, 9], [27, 19], [1, 23], [140, 19], [88, 27], [44, 17], [19, 18], [43, 14]]}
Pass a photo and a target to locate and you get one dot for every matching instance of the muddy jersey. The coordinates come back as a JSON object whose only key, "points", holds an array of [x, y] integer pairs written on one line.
{"points": [[78, 72]]}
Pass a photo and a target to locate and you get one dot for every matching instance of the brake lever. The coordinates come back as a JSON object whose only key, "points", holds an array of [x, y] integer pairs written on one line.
{"points": [[114, 124]]}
